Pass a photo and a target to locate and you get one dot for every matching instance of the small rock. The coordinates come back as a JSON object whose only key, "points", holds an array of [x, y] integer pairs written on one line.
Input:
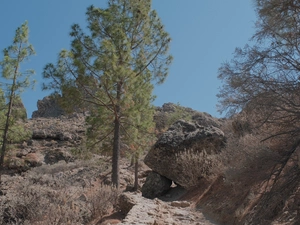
{"points": [[83, 198], [22, 153], [34, 159], [181, 204], [126, 202]]}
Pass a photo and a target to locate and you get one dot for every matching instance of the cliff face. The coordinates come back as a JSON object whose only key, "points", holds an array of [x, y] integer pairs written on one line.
{"points": [[47, 107]]}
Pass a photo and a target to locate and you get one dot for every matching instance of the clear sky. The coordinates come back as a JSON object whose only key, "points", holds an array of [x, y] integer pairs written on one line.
{"points": [[204, 34]]}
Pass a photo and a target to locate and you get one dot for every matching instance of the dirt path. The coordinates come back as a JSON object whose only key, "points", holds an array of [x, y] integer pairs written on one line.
{"points": [[158, 212]]}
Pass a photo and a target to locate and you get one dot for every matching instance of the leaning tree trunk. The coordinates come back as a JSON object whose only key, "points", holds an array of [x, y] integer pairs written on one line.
{"points": [[6, 128]]}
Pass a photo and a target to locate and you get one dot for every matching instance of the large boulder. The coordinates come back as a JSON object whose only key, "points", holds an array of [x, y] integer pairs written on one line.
{"points": [[180, 138], [155, 186]]}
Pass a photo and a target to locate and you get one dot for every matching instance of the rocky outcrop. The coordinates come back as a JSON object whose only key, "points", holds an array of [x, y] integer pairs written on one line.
{"points": [[52, 140], [155, 185], [48, 107], [169, 113], [181, 137]]}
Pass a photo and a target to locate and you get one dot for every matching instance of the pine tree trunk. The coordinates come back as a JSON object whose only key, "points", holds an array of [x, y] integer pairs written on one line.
{"points": [[136, 170], [116, 154], [4, 143], [116, 142], [5, 134]]}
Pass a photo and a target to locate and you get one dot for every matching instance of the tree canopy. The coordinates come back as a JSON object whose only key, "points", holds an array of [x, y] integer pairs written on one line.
{"points": [[263, 77], [111, 71]]}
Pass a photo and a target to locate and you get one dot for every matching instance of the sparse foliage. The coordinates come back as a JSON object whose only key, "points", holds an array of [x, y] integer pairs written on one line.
{"points": [[16, 82], [263, 78], [179, 113], [198, 167], [57, 194], [111, 72]]}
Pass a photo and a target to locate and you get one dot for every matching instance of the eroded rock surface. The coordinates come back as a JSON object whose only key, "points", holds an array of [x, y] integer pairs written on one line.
{"points": [[165, 114], [47, 107], [146, 211], [53, 140], [182, 136]]}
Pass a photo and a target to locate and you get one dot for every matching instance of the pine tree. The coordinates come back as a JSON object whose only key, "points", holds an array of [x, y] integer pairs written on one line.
{"points": [[112, 70], [16, 83]]}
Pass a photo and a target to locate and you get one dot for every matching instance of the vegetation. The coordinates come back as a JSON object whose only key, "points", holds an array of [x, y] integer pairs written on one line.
{"points": [[179, 113], [16, 82], [261, 83], [263, 79], [112, 70], [51, 195]]}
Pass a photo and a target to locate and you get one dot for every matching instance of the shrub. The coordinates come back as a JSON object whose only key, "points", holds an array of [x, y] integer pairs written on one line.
{"points": [[102, 200], [197, 166], [58, 194]]}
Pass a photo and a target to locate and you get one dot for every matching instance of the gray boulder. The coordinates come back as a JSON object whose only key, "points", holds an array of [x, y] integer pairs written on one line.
{"points": [[181, 137], [155, 186], [48, 107]]}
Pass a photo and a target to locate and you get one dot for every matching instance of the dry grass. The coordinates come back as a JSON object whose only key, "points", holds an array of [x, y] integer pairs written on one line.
{"points": [[59, 194], [245, 165], [198, 167]]}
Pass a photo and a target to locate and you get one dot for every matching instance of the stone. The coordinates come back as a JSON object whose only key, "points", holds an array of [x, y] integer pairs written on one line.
{"points": [[23, 152], [169, 107], [56, 155], [17, 164], [181, 204], [126, 202], [155, 186], [205, 119], [34, 159], [48, 107], [182, 136], [170, 111], [39, 134]]}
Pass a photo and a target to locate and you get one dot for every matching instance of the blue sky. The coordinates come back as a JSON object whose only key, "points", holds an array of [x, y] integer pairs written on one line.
{"points": [[204, 34]]}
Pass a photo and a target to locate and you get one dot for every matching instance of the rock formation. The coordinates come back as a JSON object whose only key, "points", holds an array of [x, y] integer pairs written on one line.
{"points": [[155, 185], [181, 137], [47, 107], [52, 140], [170, 113]]}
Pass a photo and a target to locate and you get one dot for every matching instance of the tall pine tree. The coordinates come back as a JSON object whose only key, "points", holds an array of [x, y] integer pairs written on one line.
{"points": [[16, 82], [111, 71]]}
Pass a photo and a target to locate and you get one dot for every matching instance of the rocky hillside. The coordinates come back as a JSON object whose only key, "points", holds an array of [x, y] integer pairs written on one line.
{"points": [[50, 177], [198, 164]]}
